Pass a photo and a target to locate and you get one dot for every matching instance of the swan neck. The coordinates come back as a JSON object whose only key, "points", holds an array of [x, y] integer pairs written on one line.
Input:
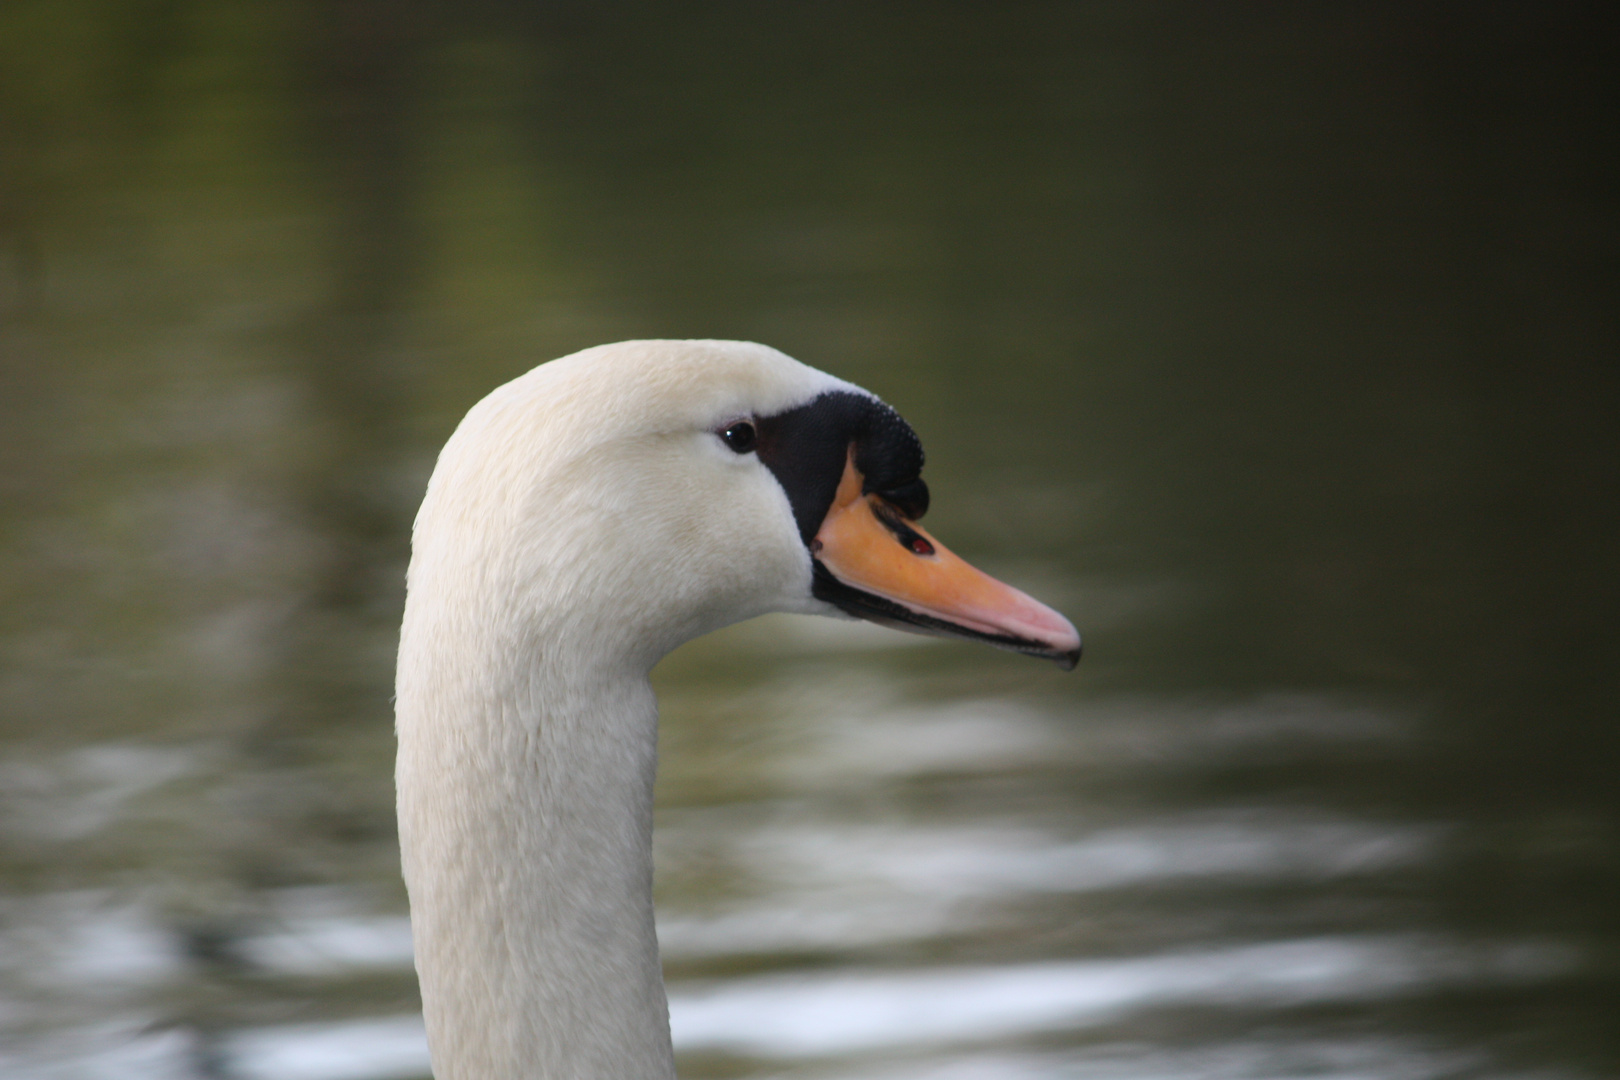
{"points": [[525, 811]]}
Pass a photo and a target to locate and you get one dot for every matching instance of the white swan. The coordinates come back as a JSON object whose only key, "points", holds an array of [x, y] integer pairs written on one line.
{"points": [[584, 520]]}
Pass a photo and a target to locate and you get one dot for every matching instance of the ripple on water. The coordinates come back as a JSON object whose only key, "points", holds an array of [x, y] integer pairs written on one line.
{"points": [[803, 872], [828, 1015]]}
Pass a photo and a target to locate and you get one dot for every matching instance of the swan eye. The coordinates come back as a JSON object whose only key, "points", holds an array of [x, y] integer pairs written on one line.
{"points": [[740, 436]]}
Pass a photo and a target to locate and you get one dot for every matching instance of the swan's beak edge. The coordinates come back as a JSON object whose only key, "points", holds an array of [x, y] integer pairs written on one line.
{"points": [[876, 565]]}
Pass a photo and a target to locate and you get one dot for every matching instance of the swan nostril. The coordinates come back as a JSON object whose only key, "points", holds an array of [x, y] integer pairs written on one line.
{"points": [[892, 519]]}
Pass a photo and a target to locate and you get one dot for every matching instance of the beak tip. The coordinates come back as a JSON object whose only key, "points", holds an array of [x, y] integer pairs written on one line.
{"points": [[1064, 639], [1059, 639]]}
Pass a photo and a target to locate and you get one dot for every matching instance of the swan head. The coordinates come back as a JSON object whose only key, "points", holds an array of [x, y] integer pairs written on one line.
{"points": [[633, 496]]}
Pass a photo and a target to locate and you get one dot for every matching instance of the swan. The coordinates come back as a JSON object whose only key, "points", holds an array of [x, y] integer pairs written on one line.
{"points": [[582, 521]]}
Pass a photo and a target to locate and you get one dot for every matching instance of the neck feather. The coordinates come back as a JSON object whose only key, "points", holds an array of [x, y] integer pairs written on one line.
{"points": [[525, 783]]}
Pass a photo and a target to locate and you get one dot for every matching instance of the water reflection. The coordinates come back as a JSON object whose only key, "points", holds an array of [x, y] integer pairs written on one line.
{"points": [[770, 885], [395, 1049], [380, 1049], [1337, 1059], [323, 932], [834, 1015], [854, 884], [800, 1015]]}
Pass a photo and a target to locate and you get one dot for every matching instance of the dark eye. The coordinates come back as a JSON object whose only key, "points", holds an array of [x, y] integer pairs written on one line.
{"points": [[740, 436]]}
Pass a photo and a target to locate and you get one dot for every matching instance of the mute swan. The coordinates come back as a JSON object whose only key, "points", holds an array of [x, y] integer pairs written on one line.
{"points": [[585, 519]]}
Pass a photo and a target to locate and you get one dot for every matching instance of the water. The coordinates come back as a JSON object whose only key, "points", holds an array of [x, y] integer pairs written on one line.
{"points": [[1274, 348]]}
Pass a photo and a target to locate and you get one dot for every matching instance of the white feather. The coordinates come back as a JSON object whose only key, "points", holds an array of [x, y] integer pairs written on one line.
{"points": [[582, 521]]}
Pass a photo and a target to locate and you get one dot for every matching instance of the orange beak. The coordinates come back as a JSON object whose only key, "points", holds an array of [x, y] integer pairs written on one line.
{"points": [[884, 568]]}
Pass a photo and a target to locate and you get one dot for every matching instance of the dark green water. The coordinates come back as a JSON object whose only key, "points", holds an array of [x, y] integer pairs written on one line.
{"points": [[1276, 346]]}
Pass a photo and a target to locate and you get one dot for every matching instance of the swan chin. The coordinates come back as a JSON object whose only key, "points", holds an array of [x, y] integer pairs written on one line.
{"points": [[583, 520]]}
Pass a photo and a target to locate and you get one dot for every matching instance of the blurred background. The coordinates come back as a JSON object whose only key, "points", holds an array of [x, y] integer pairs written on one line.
{"points": [[1275, 344]]}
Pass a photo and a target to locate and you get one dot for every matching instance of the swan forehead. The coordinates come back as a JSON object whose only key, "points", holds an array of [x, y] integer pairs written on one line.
{"points": [[656, 387]]}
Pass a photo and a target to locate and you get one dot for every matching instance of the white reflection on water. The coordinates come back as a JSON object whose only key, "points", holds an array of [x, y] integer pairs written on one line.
{"points": [[116, 1050], [824, 886], [808, 1015], [1017, 861], [330, 946], [974, 860], [801, 1015], [890, 738], [80, 972], [85, 943], [831, 884], [324, 931], [381, 1049], [1370, 1058], [73, 795], [814, 1015]]}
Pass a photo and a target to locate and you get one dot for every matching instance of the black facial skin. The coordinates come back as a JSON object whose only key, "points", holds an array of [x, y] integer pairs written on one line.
{"points": [[807, 447]]}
